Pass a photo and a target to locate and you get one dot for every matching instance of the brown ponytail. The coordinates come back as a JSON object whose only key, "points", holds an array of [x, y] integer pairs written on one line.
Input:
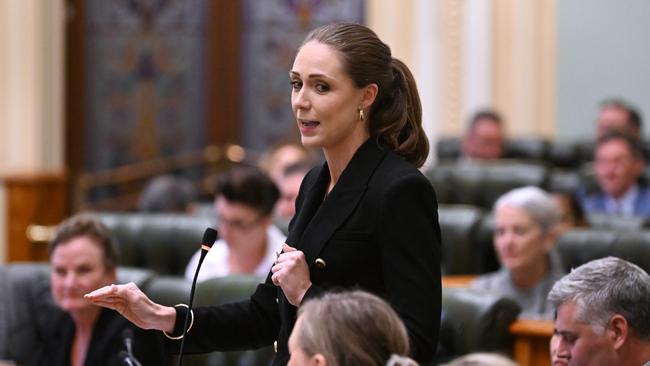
{"points": [[397, 118], [396, 114]]}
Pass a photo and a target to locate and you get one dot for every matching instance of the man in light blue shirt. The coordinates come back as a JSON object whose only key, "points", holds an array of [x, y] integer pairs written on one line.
{"points": [[619, 165]]}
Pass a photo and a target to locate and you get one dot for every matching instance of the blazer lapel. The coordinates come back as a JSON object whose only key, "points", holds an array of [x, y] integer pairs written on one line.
{"points": [[312, 201], [340, 202]]}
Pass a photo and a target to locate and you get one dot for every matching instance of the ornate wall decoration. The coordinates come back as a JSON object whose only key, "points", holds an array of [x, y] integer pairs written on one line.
{"points": [[144, 72]]}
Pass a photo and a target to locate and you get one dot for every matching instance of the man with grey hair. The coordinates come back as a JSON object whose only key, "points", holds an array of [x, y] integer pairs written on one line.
{"points": [[602, 315]]}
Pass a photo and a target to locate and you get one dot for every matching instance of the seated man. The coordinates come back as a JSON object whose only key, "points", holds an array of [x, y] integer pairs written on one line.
{"points": [[484, 139], [602, 315], [617, 115], [618, 164], [289, 185], [244, 203]]}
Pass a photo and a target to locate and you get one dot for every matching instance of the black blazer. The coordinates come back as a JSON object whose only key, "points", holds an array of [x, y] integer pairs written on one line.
{"points": [[105, 345], [377, 230]]}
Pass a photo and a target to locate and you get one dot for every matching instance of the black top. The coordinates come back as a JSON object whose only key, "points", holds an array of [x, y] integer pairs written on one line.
{"points": [[105, 345], [377, 230]]}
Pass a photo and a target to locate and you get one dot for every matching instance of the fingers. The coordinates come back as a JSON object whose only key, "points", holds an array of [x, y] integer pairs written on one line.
{"points": [[287, 260], [101, 292], [292, 254], [287, 248], [289, 263]]}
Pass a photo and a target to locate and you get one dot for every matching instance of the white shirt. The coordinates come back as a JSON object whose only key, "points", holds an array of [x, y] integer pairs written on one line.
{"points": [[215, 263]]}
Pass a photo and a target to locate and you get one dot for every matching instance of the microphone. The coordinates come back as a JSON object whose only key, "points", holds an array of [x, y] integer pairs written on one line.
{"points": [[125, 358], [209, 237], [127, 336]]}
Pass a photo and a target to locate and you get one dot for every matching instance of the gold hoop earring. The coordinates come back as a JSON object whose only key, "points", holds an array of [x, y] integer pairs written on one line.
{"points": [[361, 115]]}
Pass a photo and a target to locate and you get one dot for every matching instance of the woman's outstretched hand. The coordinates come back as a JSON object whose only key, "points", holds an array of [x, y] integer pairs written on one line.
{"points": [[135, 306], [291, 272]]}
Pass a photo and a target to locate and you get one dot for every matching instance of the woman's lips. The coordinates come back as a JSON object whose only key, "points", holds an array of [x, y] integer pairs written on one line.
{"points": [[308, 126]]}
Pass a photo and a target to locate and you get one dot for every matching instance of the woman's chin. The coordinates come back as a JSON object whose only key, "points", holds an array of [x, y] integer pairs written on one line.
{"points": [[75, 305], [310, 142]]}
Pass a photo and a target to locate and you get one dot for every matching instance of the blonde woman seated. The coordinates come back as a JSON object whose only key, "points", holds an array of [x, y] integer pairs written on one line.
{"points": [[524, 237], [352, 328]]}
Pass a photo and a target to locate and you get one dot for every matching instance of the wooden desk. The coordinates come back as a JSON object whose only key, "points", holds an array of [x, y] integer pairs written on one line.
{"points": [[532, 339]]}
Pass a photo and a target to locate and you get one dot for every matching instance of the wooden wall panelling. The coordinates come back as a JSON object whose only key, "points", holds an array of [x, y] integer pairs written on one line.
{"points": [[38, 199]]}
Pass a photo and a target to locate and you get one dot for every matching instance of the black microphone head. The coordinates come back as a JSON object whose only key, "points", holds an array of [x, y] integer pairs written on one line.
{"points": [[123, 355], [127, 333], [209, 237]]}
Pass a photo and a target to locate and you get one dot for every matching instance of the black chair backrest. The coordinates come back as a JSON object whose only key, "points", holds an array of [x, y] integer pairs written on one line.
{"points": [[580, 246], [459, 228], [474, 321], [529, 148], [480, 184], [160, 242]]}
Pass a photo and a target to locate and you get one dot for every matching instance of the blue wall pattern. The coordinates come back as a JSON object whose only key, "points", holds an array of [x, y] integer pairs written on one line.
{"points": [[145, 73], [144, 70]]}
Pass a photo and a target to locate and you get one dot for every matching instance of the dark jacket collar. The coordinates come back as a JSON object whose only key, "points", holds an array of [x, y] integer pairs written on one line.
{"points": [[320, 216]]}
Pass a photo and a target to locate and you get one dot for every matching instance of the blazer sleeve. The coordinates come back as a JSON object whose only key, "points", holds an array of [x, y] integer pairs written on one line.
{"points": [[409, 237], [242, 325]]}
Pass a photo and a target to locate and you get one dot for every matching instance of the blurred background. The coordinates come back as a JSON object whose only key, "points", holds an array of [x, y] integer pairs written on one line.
{"points": [[97, 97]]}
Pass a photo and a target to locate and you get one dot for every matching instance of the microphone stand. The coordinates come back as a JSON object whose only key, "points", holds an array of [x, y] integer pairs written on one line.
{"points": [[209, 237]]}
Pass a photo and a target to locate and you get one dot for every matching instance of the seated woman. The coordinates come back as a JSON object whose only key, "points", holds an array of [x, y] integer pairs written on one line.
{"points": [[82, 258], [524, 237], [348, 329]]}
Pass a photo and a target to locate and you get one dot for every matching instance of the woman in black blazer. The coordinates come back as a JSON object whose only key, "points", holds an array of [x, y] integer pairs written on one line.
{"points": [[367, 218]]}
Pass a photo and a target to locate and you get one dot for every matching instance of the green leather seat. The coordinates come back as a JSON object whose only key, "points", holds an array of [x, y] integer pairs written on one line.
{"points": [[168, 290], [160, 242], [459, 227], [484, 247], [580, 246], [528, 148], [480, 184], [474, 321]]}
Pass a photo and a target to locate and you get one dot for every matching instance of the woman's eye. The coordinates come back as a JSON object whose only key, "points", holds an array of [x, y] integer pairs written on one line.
{"points": [[322, 88], [296, 85], [519, 230]]}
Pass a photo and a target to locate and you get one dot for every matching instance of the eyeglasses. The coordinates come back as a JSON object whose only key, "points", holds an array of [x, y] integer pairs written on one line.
{"points": [[239, 225]]}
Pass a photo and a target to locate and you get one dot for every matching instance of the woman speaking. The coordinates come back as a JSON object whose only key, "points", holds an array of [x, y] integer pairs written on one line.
{"points": [[367, 218]]}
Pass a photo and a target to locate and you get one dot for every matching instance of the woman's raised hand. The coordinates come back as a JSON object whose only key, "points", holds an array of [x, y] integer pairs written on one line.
{"points": [[291, 273], [135, 306]]}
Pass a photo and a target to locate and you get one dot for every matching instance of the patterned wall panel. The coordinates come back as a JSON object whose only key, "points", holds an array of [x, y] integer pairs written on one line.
{"points": [[145, 66]]}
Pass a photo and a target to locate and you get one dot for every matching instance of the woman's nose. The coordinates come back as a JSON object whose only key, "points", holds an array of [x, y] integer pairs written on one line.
{"points": [[301, 100]]}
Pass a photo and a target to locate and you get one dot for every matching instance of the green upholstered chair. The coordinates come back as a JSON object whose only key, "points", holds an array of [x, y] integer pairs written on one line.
{"points": [[459, 227], [474, 321], [160, 242], [580, 246]]}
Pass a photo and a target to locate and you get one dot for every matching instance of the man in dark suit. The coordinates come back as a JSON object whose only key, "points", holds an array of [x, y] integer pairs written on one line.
{"points": [[619, 165]]}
